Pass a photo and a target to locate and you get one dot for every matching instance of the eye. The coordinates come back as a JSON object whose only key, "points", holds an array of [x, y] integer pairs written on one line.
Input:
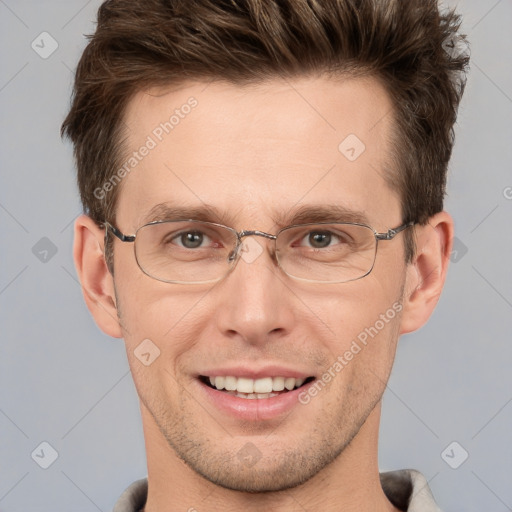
{"points": [[190, 239], [320, 239]]}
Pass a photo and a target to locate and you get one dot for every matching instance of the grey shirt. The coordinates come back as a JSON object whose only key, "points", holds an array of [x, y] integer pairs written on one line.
{"points": [[406, 489]]}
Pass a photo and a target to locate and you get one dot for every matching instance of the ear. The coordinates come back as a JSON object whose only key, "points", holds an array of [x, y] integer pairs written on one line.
{"points": [[426, 274], [96, 280]]}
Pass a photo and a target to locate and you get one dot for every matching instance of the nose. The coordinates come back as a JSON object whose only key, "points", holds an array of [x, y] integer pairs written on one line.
{"points": [[254, 301]]}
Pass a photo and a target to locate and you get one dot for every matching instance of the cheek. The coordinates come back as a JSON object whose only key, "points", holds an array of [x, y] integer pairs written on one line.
{"points": [[158, 333], [160, 324], [351, 309], [149, 308], [359, 371], [363, 322]]}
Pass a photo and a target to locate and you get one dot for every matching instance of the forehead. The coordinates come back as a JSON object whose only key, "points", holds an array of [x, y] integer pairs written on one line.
{"points": [[257, 151]]}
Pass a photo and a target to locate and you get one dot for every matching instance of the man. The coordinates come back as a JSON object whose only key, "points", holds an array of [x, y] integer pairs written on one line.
{"points": [[263, 189]]}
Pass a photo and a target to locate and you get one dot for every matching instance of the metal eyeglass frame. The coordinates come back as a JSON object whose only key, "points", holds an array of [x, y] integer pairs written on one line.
{"points": [[388, 235]]}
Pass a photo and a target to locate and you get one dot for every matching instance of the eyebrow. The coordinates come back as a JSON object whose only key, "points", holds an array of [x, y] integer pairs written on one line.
{"points": [[321, 213], [166, 211], [302, 215]]}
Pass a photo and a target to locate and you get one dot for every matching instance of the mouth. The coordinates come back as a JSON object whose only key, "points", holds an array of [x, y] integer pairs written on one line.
{"points": [[255, 389]]}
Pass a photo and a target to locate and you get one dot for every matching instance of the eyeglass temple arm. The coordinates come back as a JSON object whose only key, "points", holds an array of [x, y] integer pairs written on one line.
{"points": [[118, 234], [391, 233]]}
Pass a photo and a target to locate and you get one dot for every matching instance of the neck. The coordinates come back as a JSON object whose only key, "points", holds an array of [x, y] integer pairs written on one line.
{"points": [[350, 483]]}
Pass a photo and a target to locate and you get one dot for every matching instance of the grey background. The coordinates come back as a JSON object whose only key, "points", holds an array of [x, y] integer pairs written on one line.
{"points": [[64, 382]]}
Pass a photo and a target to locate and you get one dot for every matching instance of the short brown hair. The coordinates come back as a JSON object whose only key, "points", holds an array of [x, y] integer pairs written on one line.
{"points": [[144, 43]]}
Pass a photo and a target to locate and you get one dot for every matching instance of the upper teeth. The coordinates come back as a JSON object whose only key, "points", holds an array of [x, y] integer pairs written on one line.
{"points": [[264, 385]]}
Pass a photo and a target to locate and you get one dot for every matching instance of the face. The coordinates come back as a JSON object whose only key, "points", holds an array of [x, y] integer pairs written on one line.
{"points": [[256, 156]]}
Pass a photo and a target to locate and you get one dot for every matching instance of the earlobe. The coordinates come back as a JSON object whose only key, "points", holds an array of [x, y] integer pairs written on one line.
{"points": [[426, 274], [96, 280]]}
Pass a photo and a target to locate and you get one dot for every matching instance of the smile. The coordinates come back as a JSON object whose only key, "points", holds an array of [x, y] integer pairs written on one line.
{"points": [[262, 388]]}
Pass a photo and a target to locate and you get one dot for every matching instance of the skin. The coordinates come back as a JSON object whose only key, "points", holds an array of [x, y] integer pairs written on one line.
{"points": [[255, 153]]}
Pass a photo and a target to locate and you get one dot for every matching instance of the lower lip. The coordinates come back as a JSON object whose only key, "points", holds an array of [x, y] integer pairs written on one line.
{"points": [[256, 409]]}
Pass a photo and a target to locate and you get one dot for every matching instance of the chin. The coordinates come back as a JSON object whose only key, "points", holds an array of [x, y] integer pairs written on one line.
{"points": [[289, 474], [272, 469]]}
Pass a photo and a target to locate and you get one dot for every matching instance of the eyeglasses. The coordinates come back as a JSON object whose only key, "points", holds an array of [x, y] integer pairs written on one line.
{"points": [[195, 252]]}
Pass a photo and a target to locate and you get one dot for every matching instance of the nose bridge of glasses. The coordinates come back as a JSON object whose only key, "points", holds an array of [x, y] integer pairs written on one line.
{"points": [[245, 233]]}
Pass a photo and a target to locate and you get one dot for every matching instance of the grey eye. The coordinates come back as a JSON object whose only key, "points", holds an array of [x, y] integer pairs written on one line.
{"points": [[319, 239]]}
